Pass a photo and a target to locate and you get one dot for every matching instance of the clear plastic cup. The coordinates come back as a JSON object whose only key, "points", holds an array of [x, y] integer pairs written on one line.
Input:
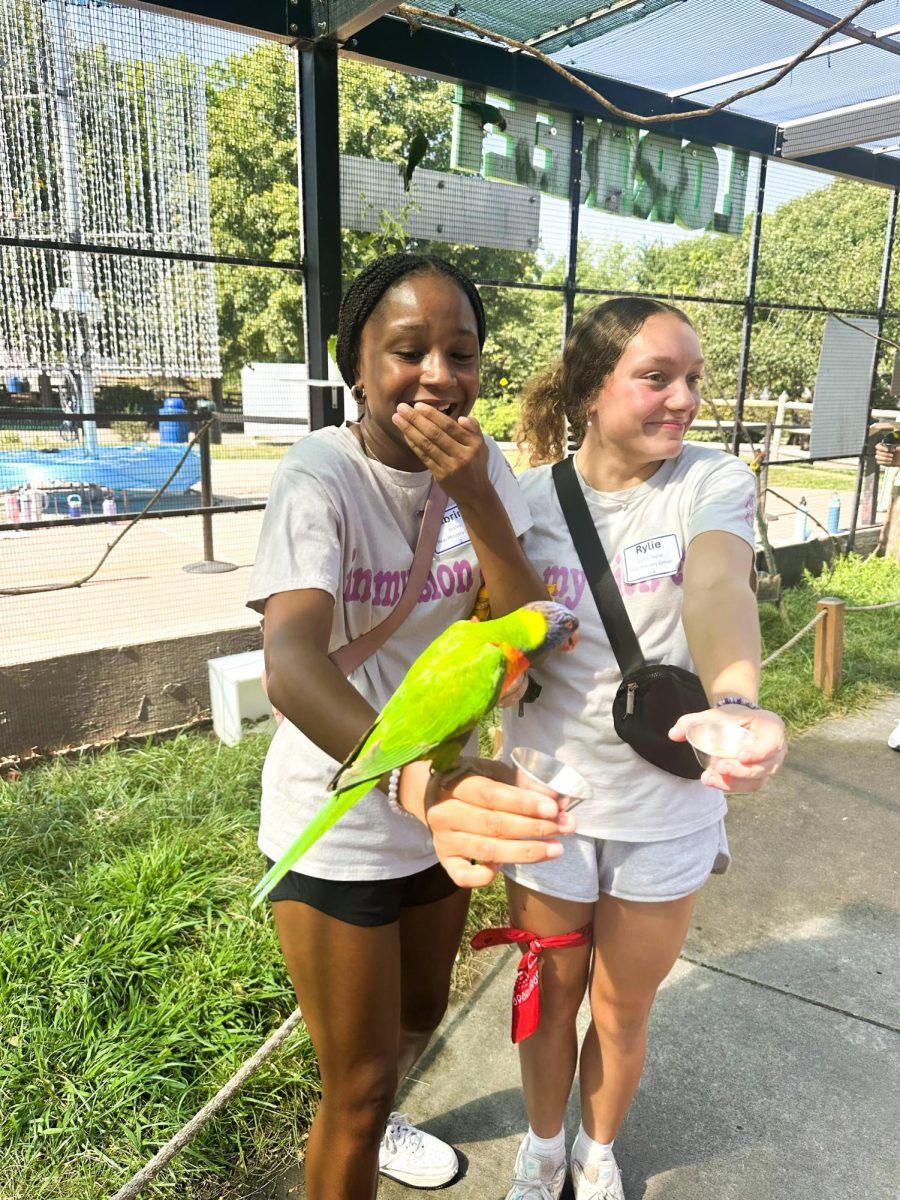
{"points": [[718, 739], [532, 766]]}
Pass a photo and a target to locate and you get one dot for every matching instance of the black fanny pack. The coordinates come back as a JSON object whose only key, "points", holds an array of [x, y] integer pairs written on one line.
{"points": [[651, 696]]}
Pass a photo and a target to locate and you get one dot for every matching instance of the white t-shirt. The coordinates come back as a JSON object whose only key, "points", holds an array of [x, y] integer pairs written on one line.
{"points": [[645, 532], [347, 524]]}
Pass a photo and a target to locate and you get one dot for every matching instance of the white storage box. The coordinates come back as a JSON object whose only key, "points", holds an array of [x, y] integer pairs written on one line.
{"points": [[236, 693]]}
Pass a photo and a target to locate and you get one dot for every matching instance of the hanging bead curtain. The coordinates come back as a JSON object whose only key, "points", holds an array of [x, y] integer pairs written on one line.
{"points": [[134, 126]]}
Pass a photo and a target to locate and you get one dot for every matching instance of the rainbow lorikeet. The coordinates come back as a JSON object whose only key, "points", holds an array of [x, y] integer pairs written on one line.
{"points": [[418, 148], [487, 114], [448, 689]]}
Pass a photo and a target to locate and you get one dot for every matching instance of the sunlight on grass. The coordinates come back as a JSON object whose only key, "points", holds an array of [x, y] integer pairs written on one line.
{"points": [[871, 641], [786, 475], [135, 979]]}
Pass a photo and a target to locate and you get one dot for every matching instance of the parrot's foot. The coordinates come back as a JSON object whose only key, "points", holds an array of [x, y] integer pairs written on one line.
{"points": [[462, 766]]}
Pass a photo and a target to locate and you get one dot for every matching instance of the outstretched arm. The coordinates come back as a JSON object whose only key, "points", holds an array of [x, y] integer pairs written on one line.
{"points": [[721, 622], [481, 819]]}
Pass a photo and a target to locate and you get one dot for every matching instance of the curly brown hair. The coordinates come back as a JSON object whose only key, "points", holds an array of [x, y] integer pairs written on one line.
{"points": [[558, 397]]}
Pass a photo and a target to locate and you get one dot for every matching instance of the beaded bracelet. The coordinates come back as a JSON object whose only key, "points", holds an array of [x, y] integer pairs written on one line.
{"points": [[393, 794], [742, 700]]}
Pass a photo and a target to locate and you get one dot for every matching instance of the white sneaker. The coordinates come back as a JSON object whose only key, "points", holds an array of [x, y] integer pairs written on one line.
{"points": [[413, 1156], [894, 737], [536, 1176], [599, 1180]]}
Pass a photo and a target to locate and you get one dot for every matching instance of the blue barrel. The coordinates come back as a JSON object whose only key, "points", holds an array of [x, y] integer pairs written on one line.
{"points": [[174, 431], [834, 514]]}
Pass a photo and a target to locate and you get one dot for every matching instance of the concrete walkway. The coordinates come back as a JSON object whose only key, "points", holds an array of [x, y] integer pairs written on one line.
{"points": [[774, 1067]]}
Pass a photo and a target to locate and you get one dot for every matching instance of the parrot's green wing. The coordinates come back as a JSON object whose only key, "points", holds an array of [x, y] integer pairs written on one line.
{"points": [[443, 696]]}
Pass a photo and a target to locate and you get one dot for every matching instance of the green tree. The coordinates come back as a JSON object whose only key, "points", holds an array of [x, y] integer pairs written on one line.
{"points": [[254, 205], [822, 248]]}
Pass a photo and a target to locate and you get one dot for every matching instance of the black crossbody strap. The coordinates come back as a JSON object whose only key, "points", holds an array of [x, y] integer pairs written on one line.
{"points": [[593, 559]]}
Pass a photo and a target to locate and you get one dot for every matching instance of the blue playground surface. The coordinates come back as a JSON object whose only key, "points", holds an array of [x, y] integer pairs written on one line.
{"points": [[116, 468]]}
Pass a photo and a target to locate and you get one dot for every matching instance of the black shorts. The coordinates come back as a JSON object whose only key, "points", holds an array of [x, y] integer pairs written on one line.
{"points": [[365, 901]]}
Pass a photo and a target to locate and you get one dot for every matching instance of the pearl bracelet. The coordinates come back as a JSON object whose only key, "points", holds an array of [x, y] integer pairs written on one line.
{"points": [[393, 794], [742, 700]]}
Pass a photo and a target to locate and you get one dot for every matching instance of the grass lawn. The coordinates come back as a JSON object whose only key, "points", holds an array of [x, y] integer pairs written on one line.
{"points": [[135, 979], [782, 475], [790, 475], [250, 449]]}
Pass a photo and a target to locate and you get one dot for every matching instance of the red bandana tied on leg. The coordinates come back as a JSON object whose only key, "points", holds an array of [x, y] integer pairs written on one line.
{"points": [[526, 1004]]}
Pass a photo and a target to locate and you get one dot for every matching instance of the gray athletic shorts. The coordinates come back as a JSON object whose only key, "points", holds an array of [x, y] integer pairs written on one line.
{"points": [[645, 871]]}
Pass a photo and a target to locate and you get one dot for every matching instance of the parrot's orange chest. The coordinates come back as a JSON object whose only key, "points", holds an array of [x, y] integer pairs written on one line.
{"points": [[516, 663]]}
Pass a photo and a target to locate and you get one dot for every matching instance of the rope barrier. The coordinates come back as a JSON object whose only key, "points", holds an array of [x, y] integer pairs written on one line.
{"points": [[189, 1131], [873, 607], [820, 616]]}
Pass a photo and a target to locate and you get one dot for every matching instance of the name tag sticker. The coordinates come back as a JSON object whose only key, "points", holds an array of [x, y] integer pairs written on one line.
{"points": [[652, 559], [453, 531]]}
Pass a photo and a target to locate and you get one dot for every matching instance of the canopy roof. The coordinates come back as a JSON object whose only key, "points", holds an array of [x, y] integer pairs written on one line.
{"points": [[846, 94], [839, 110]]}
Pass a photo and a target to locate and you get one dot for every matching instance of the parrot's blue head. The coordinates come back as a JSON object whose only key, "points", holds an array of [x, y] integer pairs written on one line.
{"points": [[560, 630]]}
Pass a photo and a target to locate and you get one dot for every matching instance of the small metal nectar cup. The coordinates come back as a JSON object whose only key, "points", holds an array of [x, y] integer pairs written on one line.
{"points": [[534, 767], [718, 739]]}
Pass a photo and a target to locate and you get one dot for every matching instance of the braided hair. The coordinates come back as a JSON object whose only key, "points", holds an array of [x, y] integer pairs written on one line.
{"points": [[365, 292]]}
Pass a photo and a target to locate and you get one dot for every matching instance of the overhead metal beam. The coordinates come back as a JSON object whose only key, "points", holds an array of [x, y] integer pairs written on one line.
{"points": [[343, 18], [442, 55], [286, 20], [850, 126], [819, 16], [278, 19], [776, 65]]}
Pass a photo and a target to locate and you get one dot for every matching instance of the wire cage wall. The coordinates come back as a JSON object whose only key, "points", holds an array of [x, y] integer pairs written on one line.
{"points": [[150, 263]]}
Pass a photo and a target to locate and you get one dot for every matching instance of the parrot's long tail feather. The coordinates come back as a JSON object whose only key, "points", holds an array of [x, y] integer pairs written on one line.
{"points": [[330, 812]]}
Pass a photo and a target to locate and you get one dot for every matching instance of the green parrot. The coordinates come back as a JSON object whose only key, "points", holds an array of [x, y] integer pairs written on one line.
{"points": [[441, 699], [418, 148], [487, 114]]}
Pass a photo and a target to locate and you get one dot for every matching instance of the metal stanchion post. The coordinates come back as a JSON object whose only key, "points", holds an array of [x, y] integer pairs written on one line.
{"points": [[209, 564]]}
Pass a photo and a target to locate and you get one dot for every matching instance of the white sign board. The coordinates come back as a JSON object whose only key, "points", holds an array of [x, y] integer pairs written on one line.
{"points": [[281, 390], [460, 209], [843, 383]]}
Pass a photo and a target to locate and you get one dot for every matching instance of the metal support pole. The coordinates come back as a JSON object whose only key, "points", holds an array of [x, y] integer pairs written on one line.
{"points": [[883, 289], [206, 496], [570, 285], [209, 565], [319, 161], [574, 217], [749, 307]]}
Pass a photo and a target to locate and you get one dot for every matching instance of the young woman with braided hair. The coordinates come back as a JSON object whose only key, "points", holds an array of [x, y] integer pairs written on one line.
{"points": [[676, 521], [370, 921]]}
